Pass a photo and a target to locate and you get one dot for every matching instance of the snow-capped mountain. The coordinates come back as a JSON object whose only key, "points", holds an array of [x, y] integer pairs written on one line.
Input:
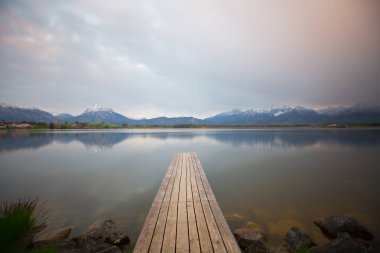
{"points": [[255, 115], [274, 110], [358, 113], [232, 112], [13, 113], [277, 111], [279, 115], [98, 114], [97, 108]]}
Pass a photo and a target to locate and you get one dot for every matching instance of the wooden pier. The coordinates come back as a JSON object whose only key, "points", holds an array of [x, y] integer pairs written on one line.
{"points": [[185, 216]]}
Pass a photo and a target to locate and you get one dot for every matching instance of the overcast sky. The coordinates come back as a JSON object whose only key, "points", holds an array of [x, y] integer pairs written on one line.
{"points": [[152, 58]]}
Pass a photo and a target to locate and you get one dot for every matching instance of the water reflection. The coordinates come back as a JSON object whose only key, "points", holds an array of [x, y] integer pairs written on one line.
{"points": [[285, 138], [268, 178]]}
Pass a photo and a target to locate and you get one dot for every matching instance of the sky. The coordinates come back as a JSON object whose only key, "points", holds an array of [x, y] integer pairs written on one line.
{"points": [[188, 58]]}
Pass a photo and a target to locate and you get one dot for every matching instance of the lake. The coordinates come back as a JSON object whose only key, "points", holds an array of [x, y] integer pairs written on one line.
{"points": [[268, 178]]}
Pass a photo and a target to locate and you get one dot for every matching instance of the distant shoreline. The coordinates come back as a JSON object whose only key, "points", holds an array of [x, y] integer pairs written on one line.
{"points": [[103, 126]]}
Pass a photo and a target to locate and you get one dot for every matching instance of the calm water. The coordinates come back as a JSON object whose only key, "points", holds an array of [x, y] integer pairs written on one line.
{"points": [[272, 179]]}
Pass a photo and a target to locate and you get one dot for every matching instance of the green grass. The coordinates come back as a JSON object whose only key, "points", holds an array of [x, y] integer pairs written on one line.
{"points": [[18, 222]]}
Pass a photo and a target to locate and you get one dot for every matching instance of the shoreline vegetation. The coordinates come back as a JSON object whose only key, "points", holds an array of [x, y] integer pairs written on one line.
{"points": [[22, 222], [19, 222], [79, 125]]}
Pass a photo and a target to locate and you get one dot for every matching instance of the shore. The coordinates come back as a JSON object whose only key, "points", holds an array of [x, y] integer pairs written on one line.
{"points": [[91, 126]]}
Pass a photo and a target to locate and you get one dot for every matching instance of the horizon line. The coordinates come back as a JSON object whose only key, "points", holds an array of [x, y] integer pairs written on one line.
{"points": [[358, 104]]}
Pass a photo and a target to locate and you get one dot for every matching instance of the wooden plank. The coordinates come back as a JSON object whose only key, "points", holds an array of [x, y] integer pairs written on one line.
{"points": [[204, 237], [170, 235], [202, 193], [193, 181], [198, 163], [193, 230], [212, 207], [206, 185], [146, 234], [189, 194], [182, 244], [159, 231], [177, 181], [216, 238], [165, 182], [227, 236], [169, 190], [215, 235], [168, 244], [182, 180], [185, 216]]}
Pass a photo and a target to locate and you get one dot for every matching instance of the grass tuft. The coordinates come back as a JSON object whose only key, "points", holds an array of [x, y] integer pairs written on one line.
{"points": [[18, 224]]}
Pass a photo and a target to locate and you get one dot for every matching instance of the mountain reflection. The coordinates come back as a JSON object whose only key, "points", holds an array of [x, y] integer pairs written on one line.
{"points": [[285, 138]]}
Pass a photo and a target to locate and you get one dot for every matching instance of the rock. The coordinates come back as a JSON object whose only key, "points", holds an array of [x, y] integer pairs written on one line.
{"points": [[106, 231], [59, 234], [63, 246], [343, 243], [297, 239], [374, 247], [69, 246], [98, 246], [252, 240], [80, 241], [331, 226], [277, 249]]}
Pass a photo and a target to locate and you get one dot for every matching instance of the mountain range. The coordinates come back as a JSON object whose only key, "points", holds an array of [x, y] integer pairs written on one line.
{"points": [[282, 115]]}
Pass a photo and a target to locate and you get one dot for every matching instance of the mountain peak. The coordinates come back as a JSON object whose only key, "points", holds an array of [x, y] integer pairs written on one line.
{"points": [[232, 112], [275, 110], [97, 108]]}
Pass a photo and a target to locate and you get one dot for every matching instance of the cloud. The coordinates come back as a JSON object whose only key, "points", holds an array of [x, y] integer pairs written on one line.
{"points": [[152, 58]]}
